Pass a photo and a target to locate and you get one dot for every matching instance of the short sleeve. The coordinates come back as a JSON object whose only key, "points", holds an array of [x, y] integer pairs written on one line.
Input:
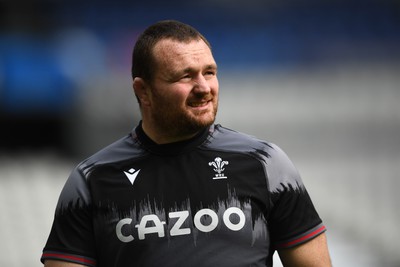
{"points": [[293, 219], [71, 238]]}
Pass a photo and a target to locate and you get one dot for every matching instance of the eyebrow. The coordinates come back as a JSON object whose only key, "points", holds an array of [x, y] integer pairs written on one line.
{"points": [[208, 67], [212, 66]]}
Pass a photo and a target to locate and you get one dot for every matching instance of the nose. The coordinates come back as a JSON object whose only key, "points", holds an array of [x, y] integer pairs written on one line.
{"points": [[201, 85]]}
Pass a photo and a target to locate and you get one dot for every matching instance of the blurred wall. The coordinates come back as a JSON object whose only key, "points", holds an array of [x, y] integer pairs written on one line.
{"points": [[64, 65]]}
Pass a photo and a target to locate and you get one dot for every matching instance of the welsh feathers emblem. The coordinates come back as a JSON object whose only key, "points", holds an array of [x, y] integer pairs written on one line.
{"points": [[218, 165]]}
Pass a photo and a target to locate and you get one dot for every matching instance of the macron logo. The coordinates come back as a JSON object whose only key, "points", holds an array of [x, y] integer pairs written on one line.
{"points": [[132, 174]]}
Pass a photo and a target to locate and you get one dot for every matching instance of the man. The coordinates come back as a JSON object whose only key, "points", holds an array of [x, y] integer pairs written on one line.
{"points": [[180, 190]]}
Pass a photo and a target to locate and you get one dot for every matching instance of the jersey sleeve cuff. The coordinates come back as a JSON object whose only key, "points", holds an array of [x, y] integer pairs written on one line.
{"points": [[319, 229], [61, 256]]}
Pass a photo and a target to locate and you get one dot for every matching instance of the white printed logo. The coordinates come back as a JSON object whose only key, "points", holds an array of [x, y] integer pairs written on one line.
{"points": [[152, 224], [132, 174], [218, 165]]}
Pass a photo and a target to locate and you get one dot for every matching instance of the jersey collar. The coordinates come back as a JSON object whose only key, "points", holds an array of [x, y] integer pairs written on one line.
{"points": [[174, 148]]}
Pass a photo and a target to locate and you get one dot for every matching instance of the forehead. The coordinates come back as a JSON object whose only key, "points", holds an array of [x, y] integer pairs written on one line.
{"points": [[176, 54]]}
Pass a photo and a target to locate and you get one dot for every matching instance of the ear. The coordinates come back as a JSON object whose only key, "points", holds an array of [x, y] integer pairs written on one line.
{"points": [[142, 91]]}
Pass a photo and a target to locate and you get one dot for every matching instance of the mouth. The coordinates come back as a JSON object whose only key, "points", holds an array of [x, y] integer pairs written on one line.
{"points": [[199, 104]]}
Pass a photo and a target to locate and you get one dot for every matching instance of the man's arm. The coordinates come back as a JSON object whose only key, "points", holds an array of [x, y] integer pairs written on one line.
{"points": [[54, 263], [313, 253]]}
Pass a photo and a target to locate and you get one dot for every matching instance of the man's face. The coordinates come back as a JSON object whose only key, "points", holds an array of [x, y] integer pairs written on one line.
{"points": [[184, 91]]}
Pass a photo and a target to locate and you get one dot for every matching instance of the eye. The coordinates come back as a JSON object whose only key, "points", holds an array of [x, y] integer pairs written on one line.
{"points": [[186, 77], [210, 73]]}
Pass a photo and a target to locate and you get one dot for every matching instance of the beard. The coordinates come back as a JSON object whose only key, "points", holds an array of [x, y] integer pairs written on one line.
{"points": [[178, 121]]}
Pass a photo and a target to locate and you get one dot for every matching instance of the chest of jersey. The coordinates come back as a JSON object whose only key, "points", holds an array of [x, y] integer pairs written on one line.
{"points": [[198, 203]]}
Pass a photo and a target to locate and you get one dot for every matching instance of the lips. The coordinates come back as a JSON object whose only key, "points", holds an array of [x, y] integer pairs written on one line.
{"points": [[198, 104]]}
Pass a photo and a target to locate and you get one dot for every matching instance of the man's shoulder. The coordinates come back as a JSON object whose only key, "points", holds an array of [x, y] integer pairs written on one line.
{"points": [[125, 148], [224, 138], [231, 136]]}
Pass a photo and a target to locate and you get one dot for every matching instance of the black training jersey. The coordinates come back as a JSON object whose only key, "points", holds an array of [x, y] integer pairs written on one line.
{"points": [[222, 198]]}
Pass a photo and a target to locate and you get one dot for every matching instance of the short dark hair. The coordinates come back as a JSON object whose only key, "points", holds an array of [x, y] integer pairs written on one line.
{"points": [[143, 61]]}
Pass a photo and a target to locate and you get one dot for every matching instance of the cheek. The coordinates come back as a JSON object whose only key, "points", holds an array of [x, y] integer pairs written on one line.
{"points": [[168, 95], [175, 97], [214, 84], [179, 93]]}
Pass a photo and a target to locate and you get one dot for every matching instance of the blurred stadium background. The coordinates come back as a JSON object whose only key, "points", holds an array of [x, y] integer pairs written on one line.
{"points": [[319, 78]]}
